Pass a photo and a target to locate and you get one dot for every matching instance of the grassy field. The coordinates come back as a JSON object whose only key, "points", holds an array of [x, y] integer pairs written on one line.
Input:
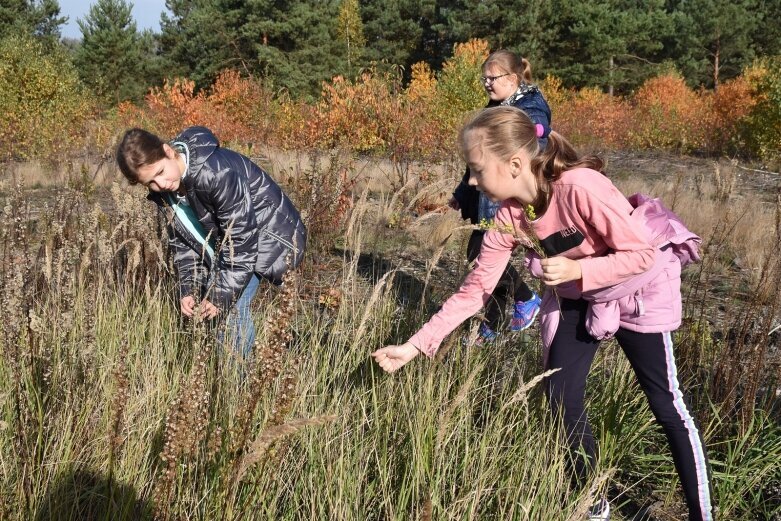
{"points": [[112, 408]]}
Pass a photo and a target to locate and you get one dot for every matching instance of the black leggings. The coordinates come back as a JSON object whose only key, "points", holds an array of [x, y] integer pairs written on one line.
{"points": [[510, 283], [651, 357]]}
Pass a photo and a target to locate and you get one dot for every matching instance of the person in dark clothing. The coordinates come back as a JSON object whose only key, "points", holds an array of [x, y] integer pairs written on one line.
{"points": [[507, 80], [229, 223]]}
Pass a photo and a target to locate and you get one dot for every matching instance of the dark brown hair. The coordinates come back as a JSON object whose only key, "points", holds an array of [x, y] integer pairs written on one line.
{"points": [[510, 63], [138, 148], [505, 130]]}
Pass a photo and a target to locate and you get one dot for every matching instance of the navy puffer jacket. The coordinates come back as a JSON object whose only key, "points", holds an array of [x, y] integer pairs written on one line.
{"points": [[468, 197], [250, 222]]}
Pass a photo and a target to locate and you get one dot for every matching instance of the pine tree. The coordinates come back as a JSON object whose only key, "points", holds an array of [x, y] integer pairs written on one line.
{"points": [[404, 32], [608, 43], [40, 18], [522, 26], [111, 56], [295, 43], [201, 38], [715, 39], [768, 40], [393, 31]]}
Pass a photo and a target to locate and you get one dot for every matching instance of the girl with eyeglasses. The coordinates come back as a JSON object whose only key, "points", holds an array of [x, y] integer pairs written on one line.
{"points": [[507, 80]]}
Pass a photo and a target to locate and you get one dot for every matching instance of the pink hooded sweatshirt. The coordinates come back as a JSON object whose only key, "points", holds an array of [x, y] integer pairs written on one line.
{"points": [[630, 260]]}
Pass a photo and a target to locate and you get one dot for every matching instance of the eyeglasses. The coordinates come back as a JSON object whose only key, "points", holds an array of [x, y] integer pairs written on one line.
{"points": [[491, 79]]}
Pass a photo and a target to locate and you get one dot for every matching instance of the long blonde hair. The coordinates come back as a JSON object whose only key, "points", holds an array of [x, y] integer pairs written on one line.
{"points": [[505, 130]]}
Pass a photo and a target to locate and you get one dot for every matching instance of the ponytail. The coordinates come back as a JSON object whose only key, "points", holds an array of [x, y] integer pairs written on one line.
{"points": [[526, 72], [558, 157]]}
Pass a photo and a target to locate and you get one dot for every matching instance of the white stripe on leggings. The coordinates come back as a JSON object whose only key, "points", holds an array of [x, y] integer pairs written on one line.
{"points": [[694, 438]]}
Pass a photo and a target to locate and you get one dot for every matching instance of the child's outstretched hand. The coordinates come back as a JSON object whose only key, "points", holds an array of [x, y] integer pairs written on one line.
{"points": [[392, 358]]}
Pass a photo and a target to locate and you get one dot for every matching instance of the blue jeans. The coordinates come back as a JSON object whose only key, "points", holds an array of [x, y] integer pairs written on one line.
{"points": [[239, 326]]}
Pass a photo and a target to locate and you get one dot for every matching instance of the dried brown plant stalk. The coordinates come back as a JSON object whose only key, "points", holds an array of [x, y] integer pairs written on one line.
{"points": [[427, 513], [286, 394], [434, 187], [432, 263], [118, 404], [186, 426], [385, 280], [521, 395], [457, 401], [268, 361], [594, 492], [258, 448]]}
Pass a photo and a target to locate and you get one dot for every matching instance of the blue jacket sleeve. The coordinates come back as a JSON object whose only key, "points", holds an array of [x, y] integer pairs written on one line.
{"points": [[539, 112]]}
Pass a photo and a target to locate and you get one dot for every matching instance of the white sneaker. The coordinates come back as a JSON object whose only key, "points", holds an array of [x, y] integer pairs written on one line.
{"points": [[600, 511]]}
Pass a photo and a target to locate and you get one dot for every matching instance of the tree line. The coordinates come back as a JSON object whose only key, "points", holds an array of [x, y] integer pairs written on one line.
{"points": [[295, 45]]}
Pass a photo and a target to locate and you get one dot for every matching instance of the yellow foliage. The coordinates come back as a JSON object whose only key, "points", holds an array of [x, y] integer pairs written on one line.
{"points": [[423, 85], [553, 89], [43, 108]]}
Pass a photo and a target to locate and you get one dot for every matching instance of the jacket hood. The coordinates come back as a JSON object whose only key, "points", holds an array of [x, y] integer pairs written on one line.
{"points": [[200, 143]]}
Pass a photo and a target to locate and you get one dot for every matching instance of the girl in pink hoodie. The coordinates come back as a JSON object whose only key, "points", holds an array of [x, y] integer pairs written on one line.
{"points": [[562, 207]]}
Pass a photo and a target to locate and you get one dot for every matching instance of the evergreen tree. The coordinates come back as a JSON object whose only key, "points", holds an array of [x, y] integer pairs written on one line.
{"points": [[522, 26], [714, 39], [201, 38], [608, 43], [111, 56], [34, 17], [768, 39], [437, 40], [153, 66], [393, 31], [46, 20], [295, 43]]}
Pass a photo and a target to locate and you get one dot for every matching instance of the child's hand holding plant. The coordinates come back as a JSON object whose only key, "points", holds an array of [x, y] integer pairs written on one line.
{"points": [[555, 270]]}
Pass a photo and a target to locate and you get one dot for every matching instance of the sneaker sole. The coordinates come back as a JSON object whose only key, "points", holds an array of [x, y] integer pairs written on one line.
{"points": [[515, 329]]}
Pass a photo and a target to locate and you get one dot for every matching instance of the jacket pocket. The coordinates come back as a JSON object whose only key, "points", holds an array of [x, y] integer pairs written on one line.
{"points": [[282, 240]]}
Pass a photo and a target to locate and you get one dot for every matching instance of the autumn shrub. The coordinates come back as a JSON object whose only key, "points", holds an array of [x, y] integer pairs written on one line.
{"points": [[371, 115], [553, 90], [459, 90], [590, 117], [323, 192], [296, 125], [668, 114], [763, 129], [348, 112], [425, 137], [240, 109], [375, 114], [43, 106], [727, 115], [167, 109]]}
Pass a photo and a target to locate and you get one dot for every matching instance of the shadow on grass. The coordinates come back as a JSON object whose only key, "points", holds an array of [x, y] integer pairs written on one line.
{"points": [[408, 288], [87, 496]]}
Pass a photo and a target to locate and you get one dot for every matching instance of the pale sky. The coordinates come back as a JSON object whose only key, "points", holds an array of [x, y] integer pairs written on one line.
{"points": [[146, 13]]}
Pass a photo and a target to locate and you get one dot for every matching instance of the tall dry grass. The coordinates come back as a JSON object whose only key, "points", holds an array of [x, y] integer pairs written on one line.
{"points": [[111, 407]]}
